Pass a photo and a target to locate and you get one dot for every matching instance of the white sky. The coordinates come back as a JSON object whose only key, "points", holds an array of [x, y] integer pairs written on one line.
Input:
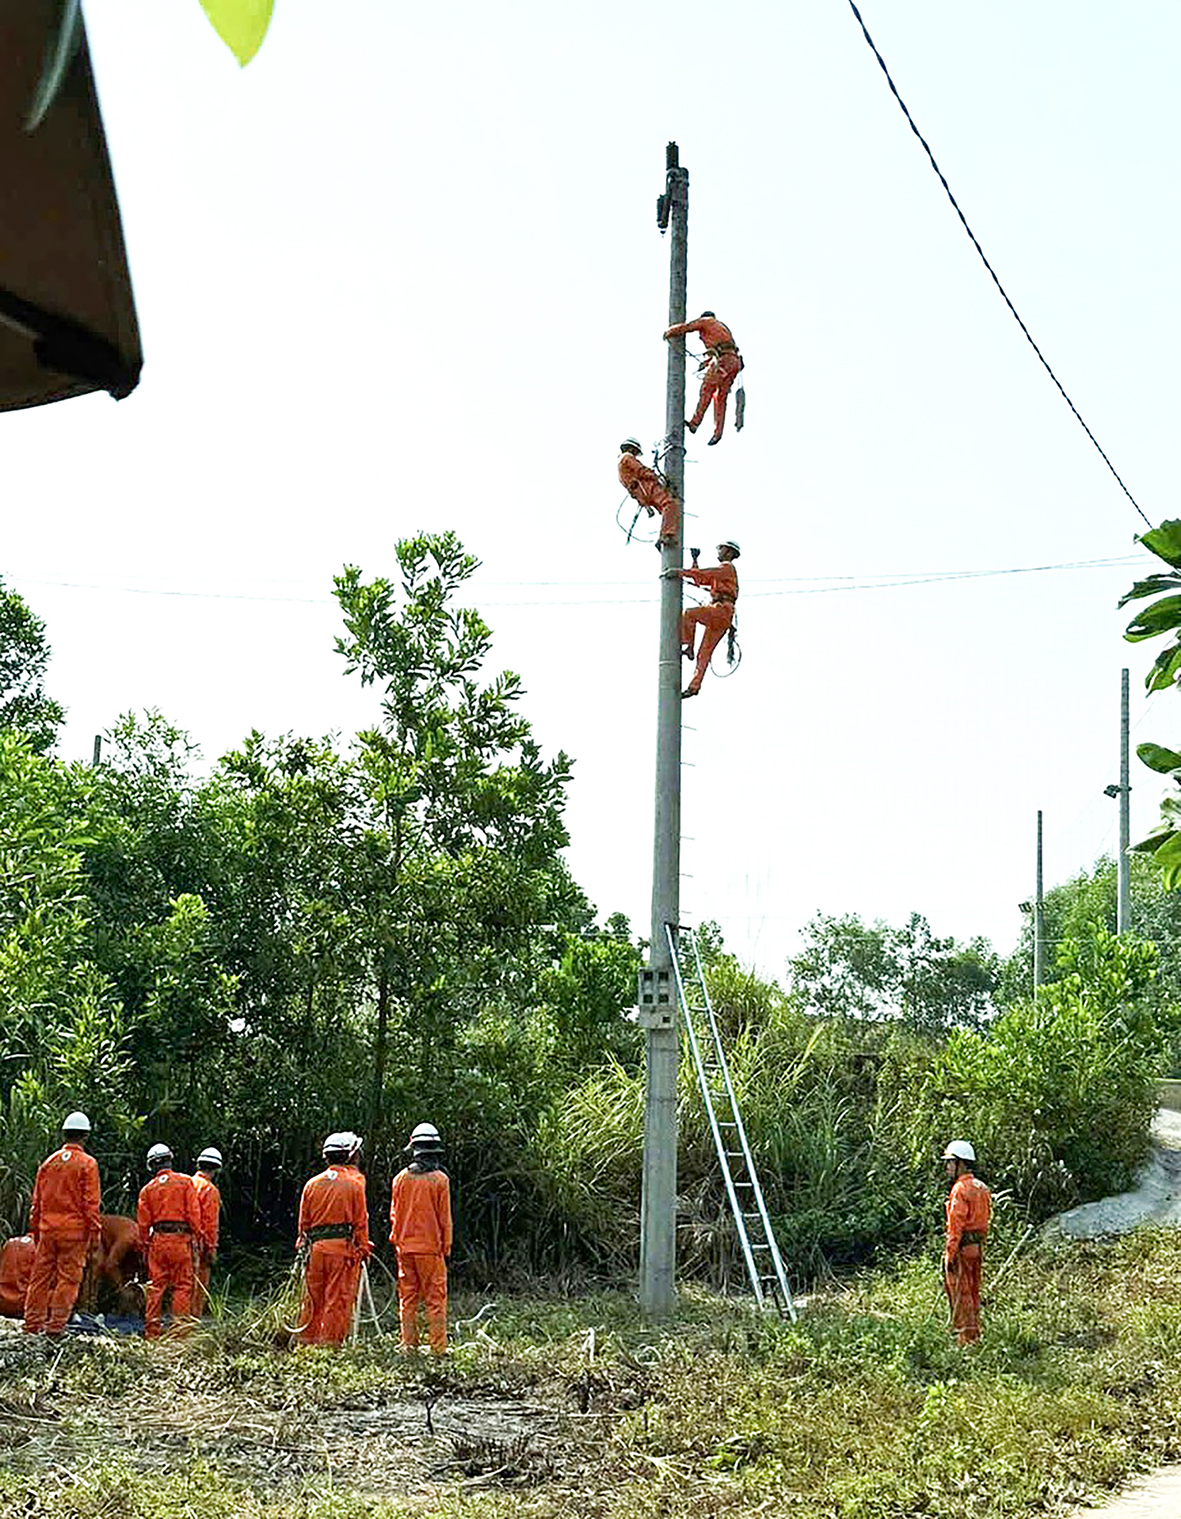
{"points": [[403, 273]]}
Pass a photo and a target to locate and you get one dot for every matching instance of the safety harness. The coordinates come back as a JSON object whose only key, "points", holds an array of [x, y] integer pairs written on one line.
{"points": [[328, 1231]]}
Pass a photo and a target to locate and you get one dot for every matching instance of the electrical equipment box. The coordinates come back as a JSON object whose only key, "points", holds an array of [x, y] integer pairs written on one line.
{"points": [[656, 1002]]}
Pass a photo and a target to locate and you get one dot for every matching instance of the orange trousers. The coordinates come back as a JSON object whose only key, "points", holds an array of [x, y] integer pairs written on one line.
{"points": [[56, 1275], [422, 1279], [660, 499], [170, 1267], [330, 1286], [715, 621], [202, 1268], [715, 387], [961, 1282]]}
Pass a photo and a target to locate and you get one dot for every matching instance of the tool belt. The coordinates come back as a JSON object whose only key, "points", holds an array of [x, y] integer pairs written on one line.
{"points": [[171, 1226], [972, 1237], [720, 348], [725, 601], [328, 1231]]}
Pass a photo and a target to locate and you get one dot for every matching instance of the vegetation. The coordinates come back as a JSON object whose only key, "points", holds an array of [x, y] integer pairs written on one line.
{"points": [[571, 1406]]}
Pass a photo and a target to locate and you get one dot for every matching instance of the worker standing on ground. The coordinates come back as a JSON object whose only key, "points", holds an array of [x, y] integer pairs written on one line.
{"points": [[334, 1230], [722, 367], [969, 1209], [209, 1207], [649, 489], [64, 1224], [170, 1235], [714, 620], [420, 1232]]}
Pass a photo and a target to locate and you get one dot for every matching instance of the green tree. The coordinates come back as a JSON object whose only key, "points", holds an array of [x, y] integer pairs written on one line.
{"points": [[24, 656]]}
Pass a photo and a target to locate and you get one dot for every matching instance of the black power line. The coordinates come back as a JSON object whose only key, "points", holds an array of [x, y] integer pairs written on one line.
{"points": [[987, 265]]}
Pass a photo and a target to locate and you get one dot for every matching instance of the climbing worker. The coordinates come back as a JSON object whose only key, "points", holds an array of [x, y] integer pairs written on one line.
{"points": [[170, 1234], [420, 1232], [722, 365], [209, 1205], [64, 1223], [334, 1231], [649, 488], [717, 618], [969, 1208]]}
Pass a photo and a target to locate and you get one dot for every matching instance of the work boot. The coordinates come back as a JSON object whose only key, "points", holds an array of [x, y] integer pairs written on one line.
{"points": [[690, 691], [691, 426], [717, 438], [686, 651]]}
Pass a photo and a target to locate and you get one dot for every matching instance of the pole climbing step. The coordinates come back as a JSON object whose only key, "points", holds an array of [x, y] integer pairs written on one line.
{"points": [[767, 1277]]}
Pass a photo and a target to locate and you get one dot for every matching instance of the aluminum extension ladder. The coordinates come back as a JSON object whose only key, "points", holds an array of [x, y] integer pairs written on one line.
{"points": [[764, 1265]]}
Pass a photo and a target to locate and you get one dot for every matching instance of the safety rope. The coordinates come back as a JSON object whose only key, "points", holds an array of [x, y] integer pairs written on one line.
{"points": [[987, 265]]}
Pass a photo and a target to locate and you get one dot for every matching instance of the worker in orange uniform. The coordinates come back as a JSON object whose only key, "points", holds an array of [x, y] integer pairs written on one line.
{"points": [[714, 620], [969, 1209], [723, 365], [16, 1266], [170, 1234], [334, 1230], [648, 487], [209, 1206], [420, 1232], [64, 1223]]}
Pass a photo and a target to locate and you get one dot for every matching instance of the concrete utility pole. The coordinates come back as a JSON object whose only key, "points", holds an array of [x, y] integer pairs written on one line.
{"points": [[1039, 927], [658, 1003], [98, 750], [1123, 916]]}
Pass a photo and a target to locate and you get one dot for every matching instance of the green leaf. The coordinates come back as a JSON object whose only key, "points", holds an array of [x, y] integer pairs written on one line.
{"points": [[1149, 587], [1168, 857], [241, 24], [1157, 758], [1165, 542], [1161, 617], [1158, 836], [1165, 669]]}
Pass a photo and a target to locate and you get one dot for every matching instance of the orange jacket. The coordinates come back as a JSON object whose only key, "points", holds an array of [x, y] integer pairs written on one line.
{"points": [[634, 472], [712, 331], [169, 1198], [420, 1212], [969, 1208], [209, 1207], [335, 1197], [66, 1195], [721, 581]]}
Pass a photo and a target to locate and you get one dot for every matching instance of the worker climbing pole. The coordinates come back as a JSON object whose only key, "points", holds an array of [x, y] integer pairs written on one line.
{"points": [[722, 365], [650, 490], [714, 620]]}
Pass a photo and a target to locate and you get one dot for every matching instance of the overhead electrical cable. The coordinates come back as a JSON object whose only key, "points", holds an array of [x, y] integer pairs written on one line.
{"points": [[818, 585], [976, 244]]}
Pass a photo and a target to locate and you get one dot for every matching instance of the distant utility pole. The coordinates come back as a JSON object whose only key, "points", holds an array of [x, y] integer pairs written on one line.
{"points": [[1123, 877], [1039, 927], [98, 750], [658, 1002], [1123, 917]]}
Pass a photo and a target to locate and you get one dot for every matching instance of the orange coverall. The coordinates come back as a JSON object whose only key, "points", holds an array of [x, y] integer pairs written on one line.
{"points": [[645, 486], [64, 1223], [334, 1222], [169, 1231], [725, 365], [209, 1207], [16, 1262], [969, 1208], [715, 619], [420, 1232]]}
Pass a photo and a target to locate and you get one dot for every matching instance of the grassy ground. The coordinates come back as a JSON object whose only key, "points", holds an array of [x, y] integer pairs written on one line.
{"points": [[549, 1407]]}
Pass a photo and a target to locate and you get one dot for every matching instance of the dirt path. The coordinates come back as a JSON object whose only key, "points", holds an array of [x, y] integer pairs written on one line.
{"points": [[1158, 1497]]}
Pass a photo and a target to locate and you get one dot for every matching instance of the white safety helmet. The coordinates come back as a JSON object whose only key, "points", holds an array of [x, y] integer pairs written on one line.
{"points": [[157, 1156], [728, 543], [339, 1143], [75, 1123], [209, 1156], [425, 1136], [959, 1149], [356, 1144], [629, 444]]}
